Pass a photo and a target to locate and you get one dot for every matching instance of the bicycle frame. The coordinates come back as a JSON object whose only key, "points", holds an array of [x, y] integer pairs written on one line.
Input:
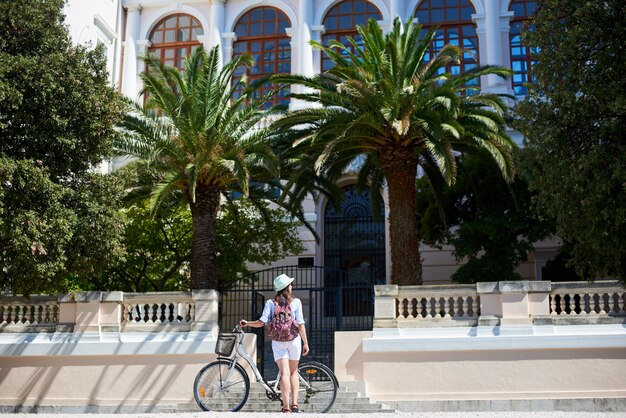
{"points": [[270, 386]]}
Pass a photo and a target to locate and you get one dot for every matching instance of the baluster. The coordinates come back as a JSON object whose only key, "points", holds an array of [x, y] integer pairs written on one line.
{"points": [[167, 313], [191, 308], [428, 309], [464, 306], [602, 301], [596, 307], [151, 312], [583, 303], [175, 312], [143, 313], [160, 313], [419, 308], [553, 304], [437, 308], [19, 314], [47, 313], [413, 308], [405, 308], [572, 304], [611, 302], [446, 307], [620, 302], [188, 315]]}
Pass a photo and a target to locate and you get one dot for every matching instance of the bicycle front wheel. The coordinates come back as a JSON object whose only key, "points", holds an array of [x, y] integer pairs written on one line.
{"points": [[218, 387], [318, 385]]}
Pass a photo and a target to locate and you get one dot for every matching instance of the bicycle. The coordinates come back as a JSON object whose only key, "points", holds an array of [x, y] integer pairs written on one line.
{"points": [[224, 385]]}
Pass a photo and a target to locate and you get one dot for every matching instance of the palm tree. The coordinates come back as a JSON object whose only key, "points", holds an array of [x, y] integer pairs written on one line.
{"points": [[395, 112], [199, 133]]}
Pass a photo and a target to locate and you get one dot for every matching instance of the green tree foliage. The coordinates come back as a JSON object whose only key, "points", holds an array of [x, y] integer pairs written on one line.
{"points": [[50, 232], [490, 223], [55, 102], [574, 120], [158, 249], [393, 111], [200, 134], [57, 114]]}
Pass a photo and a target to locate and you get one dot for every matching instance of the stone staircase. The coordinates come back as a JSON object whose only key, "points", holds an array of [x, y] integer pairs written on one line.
{"points": [[350, 399]]}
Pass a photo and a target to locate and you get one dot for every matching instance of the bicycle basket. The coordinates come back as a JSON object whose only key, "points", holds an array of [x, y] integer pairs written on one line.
{"points": [[225, 343]]}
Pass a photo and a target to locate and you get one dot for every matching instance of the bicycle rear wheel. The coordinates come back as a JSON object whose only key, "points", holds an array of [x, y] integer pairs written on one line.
{"points": [[218, 388], [318, 385]]}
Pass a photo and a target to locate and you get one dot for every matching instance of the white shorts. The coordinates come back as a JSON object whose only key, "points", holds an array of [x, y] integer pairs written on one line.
{"points": [[287, 349]]}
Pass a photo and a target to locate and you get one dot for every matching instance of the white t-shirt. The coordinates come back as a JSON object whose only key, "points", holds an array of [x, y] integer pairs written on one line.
{"points": [[296, 308]]}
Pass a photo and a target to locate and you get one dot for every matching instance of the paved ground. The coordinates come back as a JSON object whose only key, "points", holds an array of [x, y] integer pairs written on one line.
{"points": [[376, 415]]}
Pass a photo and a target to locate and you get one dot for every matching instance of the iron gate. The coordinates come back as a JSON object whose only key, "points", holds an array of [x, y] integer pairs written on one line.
{"points": [[331, 302]]}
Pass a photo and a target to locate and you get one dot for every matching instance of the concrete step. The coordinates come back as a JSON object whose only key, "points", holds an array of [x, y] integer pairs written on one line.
{"points": [[350, 399]]}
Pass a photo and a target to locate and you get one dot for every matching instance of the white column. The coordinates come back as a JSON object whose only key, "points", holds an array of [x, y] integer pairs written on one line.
{"points": [[142, 50], [494, 41], [316, 35], [228, 39], [216, 25], [305, 51], [129, 75], [396, 9]]}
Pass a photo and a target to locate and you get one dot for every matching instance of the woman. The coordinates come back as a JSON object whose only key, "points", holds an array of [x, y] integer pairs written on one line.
{"points": [[289, 341]]}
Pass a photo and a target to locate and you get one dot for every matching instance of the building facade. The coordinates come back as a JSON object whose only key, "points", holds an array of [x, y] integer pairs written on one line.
{"points": [[278, 33]]}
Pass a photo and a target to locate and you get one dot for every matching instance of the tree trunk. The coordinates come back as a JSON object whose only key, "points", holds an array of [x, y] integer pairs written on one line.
{"points": [[406, 262], [204, 274]]}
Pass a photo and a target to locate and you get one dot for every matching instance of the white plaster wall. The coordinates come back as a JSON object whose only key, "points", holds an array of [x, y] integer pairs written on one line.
{"points": [[141, 369], [450, 364], [93, 22]]}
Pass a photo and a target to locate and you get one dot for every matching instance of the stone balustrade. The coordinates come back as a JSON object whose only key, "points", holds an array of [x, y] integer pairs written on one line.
{"points": [[153, 311], [499, 303], [111, 312], [39, 313], [426, 306], [598, 302]]}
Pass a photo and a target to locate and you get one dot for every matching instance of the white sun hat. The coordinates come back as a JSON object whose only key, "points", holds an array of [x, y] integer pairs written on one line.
{"points": [[282, 282]]}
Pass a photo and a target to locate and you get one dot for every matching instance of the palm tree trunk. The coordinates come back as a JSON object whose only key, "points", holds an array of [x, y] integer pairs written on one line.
{"points": [[406, 262], [204, 274]]}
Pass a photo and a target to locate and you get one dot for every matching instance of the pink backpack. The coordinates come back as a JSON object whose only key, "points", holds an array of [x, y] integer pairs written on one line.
{"points": [[283, 326]]}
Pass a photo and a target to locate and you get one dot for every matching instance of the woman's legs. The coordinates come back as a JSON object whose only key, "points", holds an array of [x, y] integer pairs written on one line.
{"points": [[295, 381], [285, 380]]}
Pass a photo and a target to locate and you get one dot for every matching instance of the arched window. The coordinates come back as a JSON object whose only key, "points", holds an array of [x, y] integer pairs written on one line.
{"points": [[522, 59], [262, 33], [174, 37], [454, 19], [341, 21]]}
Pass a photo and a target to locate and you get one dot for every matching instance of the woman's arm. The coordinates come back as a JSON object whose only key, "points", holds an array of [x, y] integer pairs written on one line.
{"points": [[254, 324], [305, 341], [260, 323]]}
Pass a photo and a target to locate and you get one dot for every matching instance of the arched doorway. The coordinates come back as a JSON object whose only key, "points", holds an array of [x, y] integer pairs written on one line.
{"points": [[354, 238]]}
